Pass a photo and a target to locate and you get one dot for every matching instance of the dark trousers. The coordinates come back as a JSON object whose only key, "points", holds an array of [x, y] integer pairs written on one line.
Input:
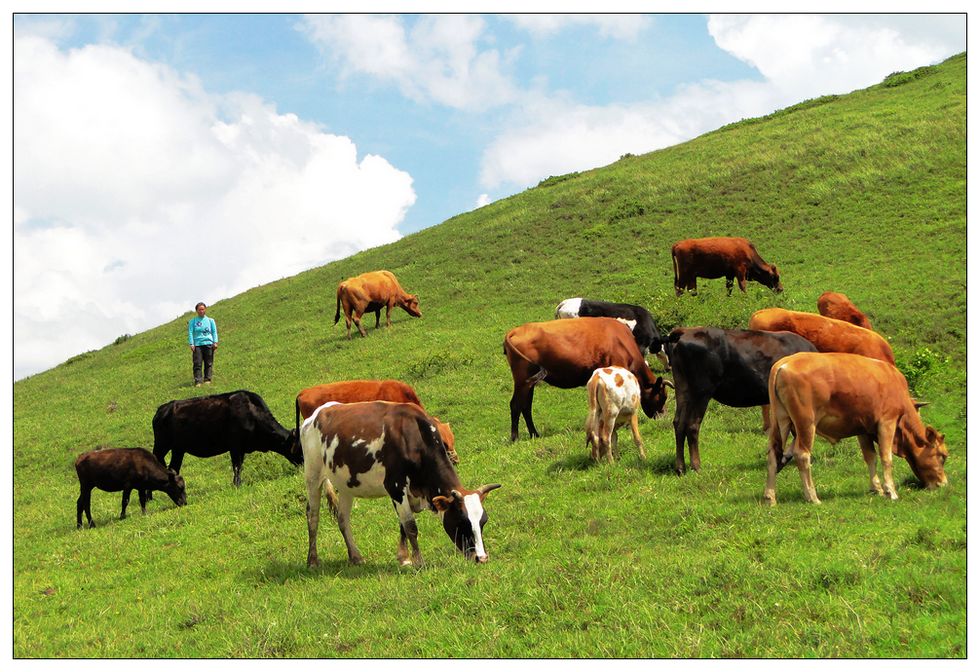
{"points": [[203, 354]]}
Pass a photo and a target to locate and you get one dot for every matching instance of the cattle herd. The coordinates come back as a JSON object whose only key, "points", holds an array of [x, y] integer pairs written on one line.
{"points": [[828, 374]]}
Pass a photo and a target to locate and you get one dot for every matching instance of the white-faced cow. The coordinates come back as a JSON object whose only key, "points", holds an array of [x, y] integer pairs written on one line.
{"points": [[125, 469], [234, 422], [836, 395], [350, 391], [564, 353], [369, 293], [614, 400], [729, 258], [384, 449], [637, 318], [730, 366]]}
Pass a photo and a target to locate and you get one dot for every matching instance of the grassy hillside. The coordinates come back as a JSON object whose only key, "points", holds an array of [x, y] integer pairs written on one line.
{"points": [[863, 194]]}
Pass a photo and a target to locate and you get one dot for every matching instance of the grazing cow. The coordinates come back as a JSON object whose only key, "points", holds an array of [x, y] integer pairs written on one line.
{"points": [[383, 449], [837, 395], [234, 422], [349, 391], [614, 400], [839, 307], [369, 293], [126, 469], [828, 334], [731, 258], [637, 318], [730, 366], [564, 353]]}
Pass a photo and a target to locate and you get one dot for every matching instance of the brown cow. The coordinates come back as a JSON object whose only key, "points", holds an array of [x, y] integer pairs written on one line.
{"points": [[369, 293], [564, 353], [731, 258], [826, 333], [351, 391], [839, 307], [837, 395]]}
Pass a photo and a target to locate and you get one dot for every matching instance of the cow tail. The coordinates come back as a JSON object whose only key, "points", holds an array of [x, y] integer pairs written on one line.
{"points": [[336, 317], [297, 417], [775, 434], [536, 378], [673, 256]]}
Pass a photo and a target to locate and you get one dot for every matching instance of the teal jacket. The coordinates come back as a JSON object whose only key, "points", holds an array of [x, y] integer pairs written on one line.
{"points": [[202, 331]]}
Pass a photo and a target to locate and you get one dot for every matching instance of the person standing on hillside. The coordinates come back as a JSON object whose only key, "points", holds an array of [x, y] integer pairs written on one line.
{"points": [[202, 333]]}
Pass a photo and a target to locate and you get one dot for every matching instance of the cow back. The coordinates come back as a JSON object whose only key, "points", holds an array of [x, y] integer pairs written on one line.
{"points": [[826, 333]]}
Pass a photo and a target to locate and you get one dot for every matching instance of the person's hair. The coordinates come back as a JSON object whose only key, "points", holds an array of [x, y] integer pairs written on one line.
{"points": [[199, 304]]}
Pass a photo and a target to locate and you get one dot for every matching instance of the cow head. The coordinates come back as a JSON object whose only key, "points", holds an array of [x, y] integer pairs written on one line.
{"points": [[293, 448], [411, 305], [770, 278], [463, 518], [176, 488], [653, 398], [925, 455]]}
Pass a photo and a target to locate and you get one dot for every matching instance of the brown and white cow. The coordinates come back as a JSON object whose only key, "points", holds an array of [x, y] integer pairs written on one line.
{"points": [[614, 400], [826, 333], [383, 449], [350, 391], [839, 307], [730, 258], [565, 353], [836, 395], [370, 292]]}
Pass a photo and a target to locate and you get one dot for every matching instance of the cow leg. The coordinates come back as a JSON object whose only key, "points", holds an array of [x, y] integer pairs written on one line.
{"points": [[635, 429], [176, 459], [357, 321], [520, 404], [730, 283], [765, 418], [801, 452], [144, 496], [680, 432], [409, 530], [237, 459], [84, 503], [779, 430], [741, 283], [692, 285], [696, 415], [344, 502], [377, 317], [870, 459], [347, 321], [886, 435], [313, 492], [125, 502], [526, 412], [387, 313]]}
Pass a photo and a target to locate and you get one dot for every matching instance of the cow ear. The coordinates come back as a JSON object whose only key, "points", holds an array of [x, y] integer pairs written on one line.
{"points": [[442, 503]]}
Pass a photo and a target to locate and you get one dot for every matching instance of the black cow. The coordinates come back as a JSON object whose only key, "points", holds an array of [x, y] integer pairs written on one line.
{"points": [[730, 366], [126, 469], [386, 449], [234, 422], [637, 318]]}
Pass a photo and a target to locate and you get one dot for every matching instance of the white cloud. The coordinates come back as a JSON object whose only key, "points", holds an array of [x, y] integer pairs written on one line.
{"points": [[483, 199], [614, 26], [799, 56], [137, 193], [437, 60]]}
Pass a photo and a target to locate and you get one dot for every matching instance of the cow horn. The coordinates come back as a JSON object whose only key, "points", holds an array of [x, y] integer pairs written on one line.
{"points": [[669, 384], [919, 404], [484, 489], [457, 494]]}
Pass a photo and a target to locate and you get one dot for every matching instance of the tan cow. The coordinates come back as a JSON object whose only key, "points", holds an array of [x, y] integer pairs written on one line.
{"points": [[369, 293], [614, 400], [352, 391], [839, 307], [729, 258], [836, 395], [826, 333]]}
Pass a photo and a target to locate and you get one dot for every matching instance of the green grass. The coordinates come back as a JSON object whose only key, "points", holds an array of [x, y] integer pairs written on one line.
{"points": [[863, 193]]}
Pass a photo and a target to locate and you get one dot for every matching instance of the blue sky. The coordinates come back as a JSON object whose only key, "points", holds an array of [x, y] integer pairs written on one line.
{"points": [[281, 142]]}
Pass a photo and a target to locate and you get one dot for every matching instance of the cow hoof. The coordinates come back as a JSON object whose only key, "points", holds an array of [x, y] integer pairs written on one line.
{"points": [[357, 560]]}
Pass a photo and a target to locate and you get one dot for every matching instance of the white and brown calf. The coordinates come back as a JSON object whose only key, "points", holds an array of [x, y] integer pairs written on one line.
{"points": [[383, 449], [614, 400]]}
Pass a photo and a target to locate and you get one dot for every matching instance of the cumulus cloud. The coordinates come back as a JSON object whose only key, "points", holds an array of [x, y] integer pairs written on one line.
{"points": [[138, 193], [613, 26], [483, 199], [438, 59], [799, 57]]}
